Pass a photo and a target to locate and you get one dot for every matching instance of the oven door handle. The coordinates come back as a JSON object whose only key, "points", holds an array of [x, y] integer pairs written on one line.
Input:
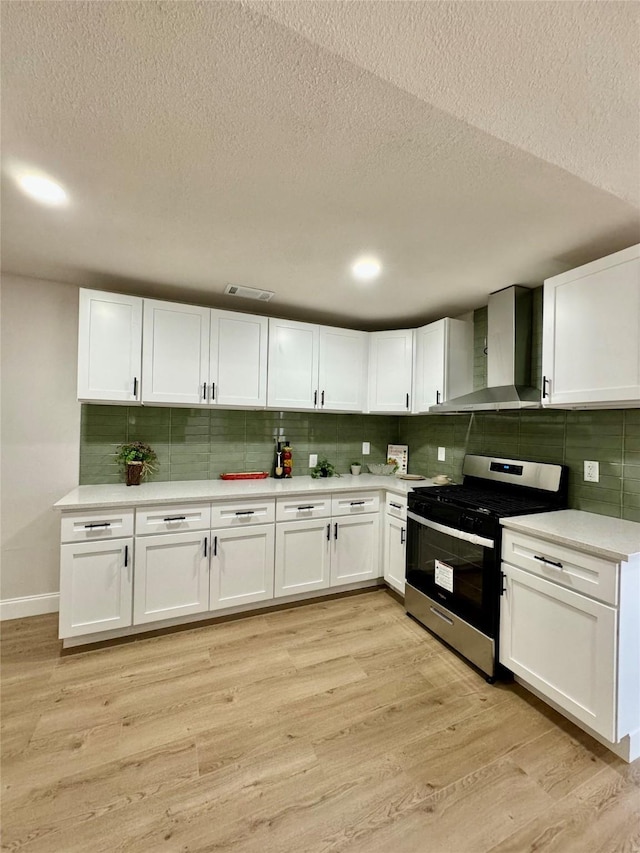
{"points": [[451, 531]]}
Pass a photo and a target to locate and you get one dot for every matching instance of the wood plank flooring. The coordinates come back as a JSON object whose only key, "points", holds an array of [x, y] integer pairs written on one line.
{"points": [[337, 726]]}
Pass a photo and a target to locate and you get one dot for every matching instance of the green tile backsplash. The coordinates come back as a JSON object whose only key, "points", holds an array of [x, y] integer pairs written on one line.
{"points": [[197, 444], [200, 444]]}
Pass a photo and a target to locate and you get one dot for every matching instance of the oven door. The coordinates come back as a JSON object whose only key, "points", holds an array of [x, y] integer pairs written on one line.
{"points": [[454, 567]]}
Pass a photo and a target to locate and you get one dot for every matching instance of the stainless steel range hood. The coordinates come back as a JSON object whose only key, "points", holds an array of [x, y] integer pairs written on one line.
{"points": [[508, 358]]}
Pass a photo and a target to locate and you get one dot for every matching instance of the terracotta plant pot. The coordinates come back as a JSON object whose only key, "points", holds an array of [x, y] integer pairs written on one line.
{"points": [[134, 472]]}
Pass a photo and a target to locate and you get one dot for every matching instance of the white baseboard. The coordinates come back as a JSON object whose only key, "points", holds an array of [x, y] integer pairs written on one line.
{"points": [[30, 605]]}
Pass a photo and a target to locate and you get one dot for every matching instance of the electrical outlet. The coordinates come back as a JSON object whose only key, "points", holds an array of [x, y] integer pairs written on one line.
{"points": [[591, 471], [366, 448], [313, 460], [442, 454]]}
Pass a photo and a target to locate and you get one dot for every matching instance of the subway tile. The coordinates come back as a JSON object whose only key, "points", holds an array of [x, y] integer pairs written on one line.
{"points": [[631, 513]]}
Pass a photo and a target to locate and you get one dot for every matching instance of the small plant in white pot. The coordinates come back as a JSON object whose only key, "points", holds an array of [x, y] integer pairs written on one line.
{"points": [[356, 467]]}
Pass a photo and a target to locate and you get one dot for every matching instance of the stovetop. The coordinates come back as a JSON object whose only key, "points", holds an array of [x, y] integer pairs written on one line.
{"points": [[492, 502]]}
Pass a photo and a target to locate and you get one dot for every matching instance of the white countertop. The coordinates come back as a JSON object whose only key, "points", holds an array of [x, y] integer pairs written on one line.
{"points": [[600, 535], [188, 491]]}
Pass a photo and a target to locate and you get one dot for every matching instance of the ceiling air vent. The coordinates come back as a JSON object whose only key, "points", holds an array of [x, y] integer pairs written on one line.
{"points": [[249, 292]]}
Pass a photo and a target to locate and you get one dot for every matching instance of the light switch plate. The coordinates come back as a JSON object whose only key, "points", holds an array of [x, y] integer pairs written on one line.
{"points": [[366, 448], [442, 453], [591, 471], [313, 460]]}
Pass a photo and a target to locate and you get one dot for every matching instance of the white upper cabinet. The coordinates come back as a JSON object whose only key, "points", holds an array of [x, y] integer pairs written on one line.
{"points": [[342, 380], [591, 334], [390, 371], [293, 364], [316, 367], [109, 347], [238, 359], [444, 363], [175, 354]]}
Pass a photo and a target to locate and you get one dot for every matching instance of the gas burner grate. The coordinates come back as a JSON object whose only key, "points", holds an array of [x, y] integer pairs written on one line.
{"points": [[491, 500]]}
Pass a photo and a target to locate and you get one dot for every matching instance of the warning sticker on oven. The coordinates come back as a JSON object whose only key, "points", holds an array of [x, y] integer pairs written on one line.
{"points": [[444, 576]]}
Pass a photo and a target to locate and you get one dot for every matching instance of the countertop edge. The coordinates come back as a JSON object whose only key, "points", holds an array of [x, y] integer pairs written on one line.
{"points": [[530, 525], [224, 491]]}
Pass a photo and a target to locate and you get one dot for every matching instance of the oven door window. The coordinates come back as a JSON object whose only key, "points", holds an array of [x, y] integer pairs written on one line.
{"points": [[460, 574]]}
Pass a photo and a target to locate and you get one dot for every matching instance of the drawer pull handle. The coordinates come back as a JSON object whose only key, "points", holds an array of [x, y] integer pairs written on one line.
{"points": [[403, 535], [135, 387], [395, 506], [548, 562], [310, 506], [176, 518], [441, 616], [356, 503], [94, 526], [245, 512]]}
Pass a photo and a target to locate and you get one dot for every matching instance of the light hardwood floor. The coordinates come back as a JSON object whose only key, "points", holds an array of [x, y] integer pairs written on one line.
{"points": [[337, 726]]}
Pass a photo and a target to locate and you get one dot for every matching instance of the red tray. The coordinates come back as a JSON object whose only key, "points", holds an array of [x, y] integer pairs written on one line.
{"points": [[249, 475]]}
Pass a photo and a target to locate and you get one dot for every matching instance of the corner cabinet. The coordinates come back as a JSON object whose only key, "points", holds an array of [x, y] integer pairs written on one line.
{"points": [[390, 371], [569, 630], [591, 334], [307, 367], [443, 363], [109, 347]]}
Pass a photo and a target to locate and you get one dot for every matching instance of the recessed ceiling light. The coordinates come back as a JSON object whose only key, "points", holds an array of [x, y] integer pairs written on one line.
{"points": [[366, 268], [42, 189]]}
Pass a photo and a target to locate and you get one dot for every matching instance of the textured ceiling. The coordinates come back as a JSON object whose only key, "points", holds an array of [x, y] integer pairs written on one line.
{"points": [[268, 144]]}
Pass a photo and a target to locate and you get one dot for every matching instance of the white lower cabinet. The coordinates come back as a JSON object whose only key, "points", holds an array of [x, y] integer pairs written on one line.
{"points": [[96, 583], [303, 554], [172, 576], [562, 644], [395, 549], [242, 564], [355, 554], [330, 552], [570, 629]]}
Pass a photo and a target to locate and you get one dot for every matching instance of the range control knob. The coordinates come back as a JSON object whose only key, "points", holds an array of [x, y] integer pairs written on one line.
{"points": [[467, 522]]}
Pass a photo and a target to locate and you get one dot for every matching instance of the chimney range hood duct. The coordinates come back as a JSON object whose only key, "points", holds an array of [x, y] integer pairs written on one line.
{"points": [[509, 315]]}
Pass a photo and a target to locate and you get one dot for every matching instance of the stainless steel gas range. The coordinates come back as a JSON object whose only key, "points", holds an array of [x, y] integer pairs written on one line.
{"points": [[453, 548]]}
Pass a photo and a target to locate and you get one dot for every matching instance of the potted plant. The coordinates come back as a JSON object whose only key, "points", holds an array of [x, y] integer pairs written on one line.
{"points": [[137, 459], [324, 468], [356, 467]]}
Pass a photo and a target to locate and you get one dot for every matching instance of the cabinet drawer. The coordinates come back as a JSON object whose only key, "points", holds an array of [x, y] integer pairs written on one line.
{"points": [[575, 570], [172, 518], [396, 505], [242, 514], [97, 524], [294, 509], [355, 504]]}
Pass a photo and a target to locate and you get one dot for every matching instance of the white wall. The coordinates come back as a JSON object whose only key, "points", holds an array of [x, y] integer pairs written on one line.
{"points": [[40, 433]]}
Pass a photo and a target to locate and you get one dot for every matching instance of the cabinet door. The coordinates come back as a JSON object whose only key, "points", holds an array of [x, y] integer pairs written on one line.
{"points": [[343, 369], [238, 365], [390, 370], [109, 347], [242, 563], [591, 333], [302, 556], [172, 576], [429, 387], [96, 583], [356, 549], [394, 554], [293, 365], [563, 644], [175, 354]]}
